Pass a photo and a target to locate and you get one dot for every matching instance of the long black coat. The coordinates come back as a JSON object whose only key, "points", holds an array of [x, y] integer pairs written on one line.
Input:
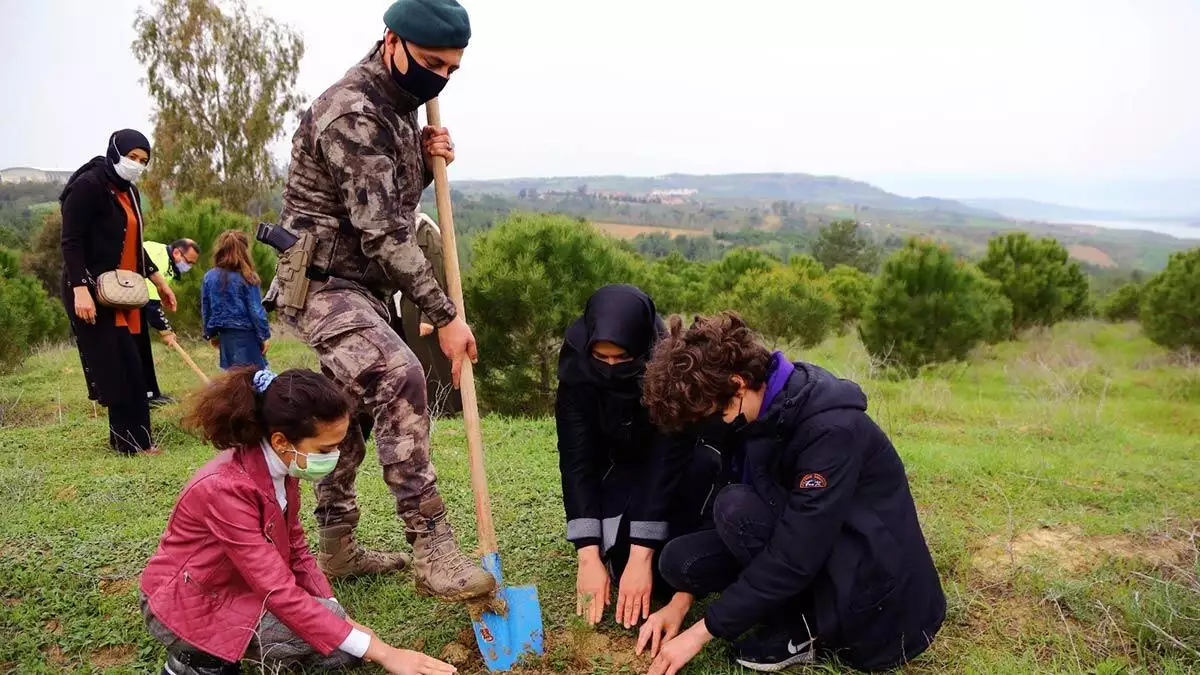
{"points": [[93, 236], [610, 458], [848, 532]]}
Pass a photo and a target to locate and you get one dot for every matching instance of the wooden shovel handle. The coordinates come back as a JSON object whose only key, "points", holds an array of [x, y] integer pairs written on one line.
{"points": [[190, 362], [483, 500]]}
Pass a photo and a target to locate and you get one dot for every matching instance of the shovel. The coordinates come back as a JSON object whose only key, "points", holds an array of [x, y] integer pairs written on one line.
{"points": [[512, 627]]}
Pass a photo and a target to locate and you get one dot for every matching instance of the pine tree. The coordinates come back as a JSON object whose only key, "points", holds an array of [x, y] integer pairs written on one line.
{"points": [[1171, 303], [927, 307]]}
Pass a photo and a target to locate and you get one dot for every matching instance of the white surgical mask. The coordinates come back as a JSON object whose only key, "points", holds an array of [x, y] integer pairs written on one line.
{"points": [[183, 267], [129, 169]]}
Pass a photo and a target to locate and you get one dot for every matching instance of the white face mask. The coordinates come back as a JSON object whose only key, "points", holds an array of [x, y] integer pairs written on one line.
{"points": [[129, 169]]}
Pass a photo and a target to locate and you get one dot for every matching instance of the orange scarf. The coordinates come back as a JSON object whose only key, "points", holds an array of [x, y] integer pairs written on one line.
{"points": [[131, 254]]}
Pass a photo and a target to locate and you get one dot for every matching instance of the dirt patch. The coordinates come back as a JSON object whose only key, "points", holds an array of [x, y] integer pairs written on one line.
{"points": [[1068, 549], [55, 656], [1091, 255], [455, 654], [580, 649], [67, 494], [116, 586], [112, 657], [53, 627], [623, 231]]}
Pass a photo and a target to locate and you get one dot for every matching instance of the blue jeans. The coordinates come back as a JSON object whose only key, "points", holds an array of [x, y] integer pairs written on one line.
{"points": [[240, 348]]}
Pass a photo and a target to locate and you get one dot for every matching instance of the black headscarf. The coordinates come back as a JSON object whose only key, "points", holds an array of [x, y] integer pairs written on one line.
{"points": [[624, 316], [120, 143]]}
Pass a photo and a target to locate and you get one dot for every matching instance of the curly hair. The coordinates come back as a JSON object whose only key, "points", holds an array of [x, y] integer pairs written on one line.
{"points": [[691, 371], [230, 413]]}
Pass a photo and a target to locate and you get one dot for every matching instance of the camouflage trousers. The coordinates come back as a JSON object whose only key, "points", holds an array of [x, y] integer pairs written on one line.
{"points": [[358, 349]]}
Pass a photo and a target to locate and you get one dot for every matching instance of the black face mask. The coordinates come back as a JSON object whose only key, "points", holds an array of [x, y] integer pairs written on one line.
{"points": [[714, 429], [419, 81], [618, 372]]}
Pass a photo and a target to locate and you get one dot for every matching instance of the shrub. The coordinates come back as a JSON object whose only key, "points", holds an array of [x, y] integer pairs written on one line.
{"points": [[1124, 304], [1079, 293], [927, 307], [845, 242], [1170, 309], [852, 289], [783, 304], [1039, 279], [530, 278], [677, 285], [44, 260], [807, 267], [736, 265], [30, 317]]}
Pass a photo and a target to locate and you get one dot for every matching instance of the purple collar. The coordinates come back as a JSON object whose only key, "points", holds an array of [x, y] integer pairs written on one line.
{"points": [[781, 370]]}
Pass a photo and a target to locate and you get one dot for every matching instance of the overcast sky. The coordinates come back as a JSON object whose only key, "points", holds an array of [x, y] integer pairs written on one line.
{"points": [[1093, 102]]}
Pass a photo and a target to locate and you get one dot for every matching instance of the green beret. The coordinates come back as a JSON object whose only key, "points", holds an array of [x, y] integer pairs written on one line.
{"points": [[436, 24]]}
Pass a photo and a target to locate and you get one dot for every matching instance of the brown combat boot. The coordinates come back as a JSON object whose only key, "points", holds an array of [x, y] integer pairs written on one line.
{"points": [[440, 568], [341, 556]]}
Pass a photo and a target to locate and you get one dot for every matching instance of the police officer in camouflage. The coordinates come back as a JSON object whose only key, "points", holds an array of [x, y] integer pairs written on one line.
{"points": [[359, 163]]}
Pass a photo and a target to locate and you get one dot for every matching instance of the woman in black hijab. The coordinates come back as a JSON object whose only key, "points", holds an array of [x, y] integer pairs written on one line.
{"points": [[626, 487], [102, 232]]}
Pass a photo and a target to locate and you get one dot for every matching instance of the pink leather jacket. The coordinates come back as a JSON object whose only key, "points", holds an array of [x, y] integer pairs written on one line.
{"points": [[230, 554]]}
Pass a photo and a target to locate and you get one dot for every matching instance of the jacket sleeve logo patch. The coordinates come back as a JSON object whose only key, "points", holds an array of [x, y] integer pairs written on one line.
{"points": [[812, 481]]}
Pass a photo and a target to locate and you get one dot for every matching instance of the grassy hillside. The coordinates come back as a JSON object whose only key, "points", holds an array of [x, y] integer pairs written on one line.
{"points": [[1057, 479]]}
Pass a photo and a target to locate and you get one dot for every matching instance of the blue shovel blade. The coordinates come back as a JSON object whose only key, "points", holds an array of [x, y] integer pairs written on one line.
{"points": [[504, 640]]}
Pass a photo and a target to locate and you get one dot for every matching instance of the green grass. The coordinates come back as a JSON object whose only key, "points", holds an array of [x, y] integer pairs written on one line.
{"points": [[1058, 480]]}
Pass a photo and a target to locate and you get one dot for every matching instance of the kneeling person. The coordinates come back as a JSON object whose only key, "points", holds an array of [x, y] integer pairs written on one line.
{"points": [[816, 540], [233, 577], [626, 487]]}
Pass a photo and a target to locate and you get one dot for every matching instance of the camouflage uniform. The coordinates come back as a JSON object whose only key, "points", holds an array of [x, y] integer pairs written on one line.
{"points": [[357, 173]]}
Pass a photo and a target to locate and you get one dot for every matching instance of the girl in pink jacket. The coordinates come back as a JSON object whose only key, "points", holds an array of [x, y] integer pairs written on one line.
{"points": [[233, 577]]}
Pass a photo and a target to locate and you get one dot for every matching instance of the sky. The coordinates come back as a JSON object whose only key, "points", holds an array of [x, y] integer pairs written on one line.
{"points": [[1086, 102]]}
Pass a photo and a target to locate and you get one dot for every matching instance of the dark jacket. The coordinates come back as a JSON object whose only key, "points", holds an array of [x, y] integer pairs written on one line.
{"points": [[93, 236], [93, 231], [848, 531], [615, 464], [228, 302]]}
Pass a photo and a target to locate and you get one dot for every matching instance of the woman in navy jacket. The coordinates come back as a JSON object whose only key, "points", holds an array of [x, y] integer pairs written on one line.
{"points": [[816, 541]]}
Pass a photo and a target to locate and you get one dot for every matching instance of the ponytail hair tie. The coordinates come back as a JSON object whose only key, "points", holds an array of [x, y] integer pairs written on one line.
{"points": [[263, 379]]}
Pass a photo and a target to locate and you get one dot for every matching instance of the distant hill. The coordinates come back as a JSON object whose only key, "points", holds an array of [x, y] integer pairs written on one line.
{"points": [[1028, 209], [779, 210], [25, 174], [796, 187]]}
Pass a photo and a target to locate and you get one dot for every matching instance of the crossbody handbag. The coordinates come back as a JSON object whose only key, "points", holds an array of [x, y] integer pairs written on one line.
{"points": [[122, 289]]}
